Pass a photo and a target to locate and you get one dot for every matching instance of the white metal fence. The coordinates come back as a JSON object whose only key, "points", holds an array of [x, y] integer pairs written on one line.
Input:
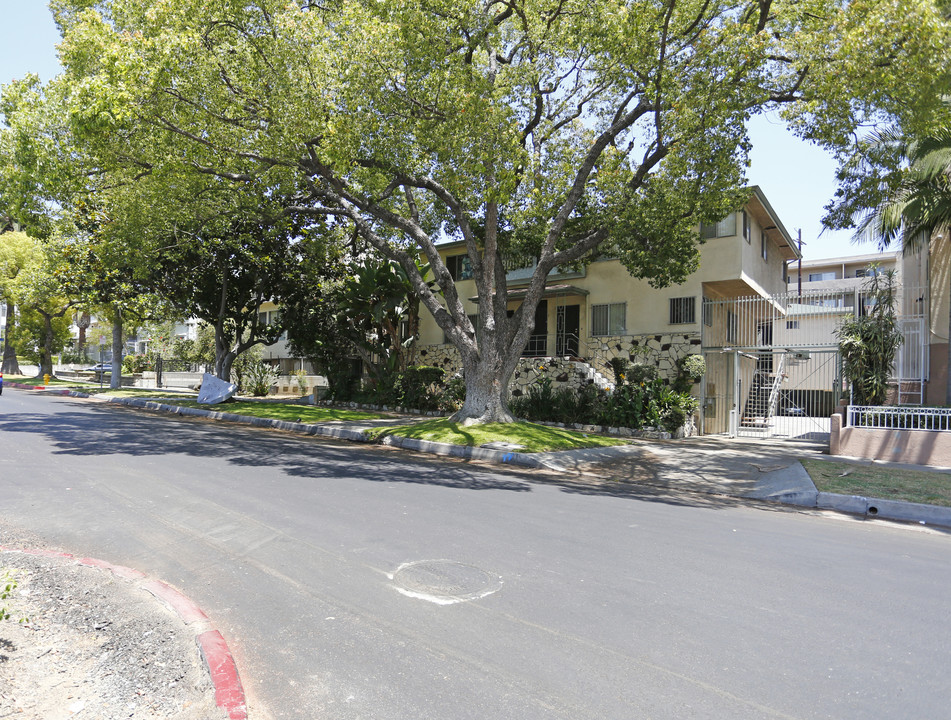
{"points": [[875, 417]]}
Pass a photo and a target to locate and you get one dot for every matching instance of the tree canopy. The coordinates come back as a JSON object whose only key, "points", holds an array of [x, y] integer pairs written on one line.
{"points": [[553, 129]]}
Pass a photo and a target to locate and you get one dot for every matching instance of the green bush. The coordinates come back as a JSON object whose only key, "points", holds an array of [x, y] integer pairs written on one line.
{"points": [[690, 368], [137, 363], [633, 405], [258, 378], [418, 387]]}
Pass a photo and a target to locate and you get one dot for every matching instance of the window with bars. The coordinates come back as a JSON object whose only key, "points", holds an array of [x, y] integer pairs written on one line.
{"points": [[609, 319], [683, 310]]}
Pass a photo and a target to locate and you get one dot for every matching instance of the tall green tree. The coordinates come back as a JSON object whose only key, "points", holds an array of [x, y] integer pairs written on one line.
{"points": [[37, 290], [17, 251], [869, 341], [552, 129], [899, 193]]}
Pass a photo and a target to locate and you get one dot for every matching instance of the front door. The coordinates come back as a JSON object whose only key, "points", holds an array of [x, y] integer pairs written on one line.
{"points": [[568, 318], [538, 342]]}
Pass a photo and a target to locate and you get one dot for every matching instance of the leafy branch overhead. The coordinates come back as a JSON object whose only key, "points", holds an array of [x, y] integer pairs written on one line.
{"points": [[549, 129]]}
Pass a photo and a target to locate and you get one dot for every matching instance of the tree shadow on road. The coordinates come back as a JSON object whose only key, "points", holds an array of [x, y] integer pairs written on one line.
{"points": [[116, 430]]}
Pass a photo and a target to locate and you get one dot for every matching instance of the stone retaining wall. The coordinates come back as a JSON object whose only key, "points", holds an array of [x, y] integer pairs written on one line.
{"points": [[660, 350]]}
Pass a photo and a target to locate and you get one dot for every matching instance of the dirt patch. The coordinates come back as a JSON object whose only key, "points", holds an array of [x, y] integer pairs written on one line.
{"points": [[95, 646]]}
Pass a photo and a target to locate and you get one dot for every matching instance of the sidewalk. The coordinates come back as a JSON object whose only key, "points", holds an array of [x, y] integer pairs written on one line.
{"points": [[744, 469]]}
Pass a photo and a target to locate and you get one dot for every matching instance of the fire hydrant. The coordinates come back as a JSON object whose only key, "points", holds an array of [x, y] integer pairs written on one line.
{"points": [[46, 379]]}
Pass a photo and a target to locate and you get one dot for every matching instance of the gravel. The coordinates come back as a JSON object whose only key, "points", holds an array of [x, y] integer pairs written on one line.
{"points": [[95, 646]]}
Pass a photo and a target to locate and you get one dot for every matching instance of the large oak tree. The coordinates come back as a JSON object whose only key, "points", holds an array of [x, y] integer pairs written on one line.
{"points": [[545, 129]]}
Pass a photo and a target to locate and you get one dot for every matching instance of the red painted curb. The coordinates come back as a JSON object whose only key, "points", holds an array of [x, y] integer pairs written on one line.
{"points": [[229, 694], [121, 571], [184, 606]]}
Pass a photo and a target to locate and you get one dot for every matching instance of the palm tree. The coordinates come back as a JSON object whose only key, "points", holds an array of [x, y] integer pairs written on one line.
{"points": [[917, 206]]}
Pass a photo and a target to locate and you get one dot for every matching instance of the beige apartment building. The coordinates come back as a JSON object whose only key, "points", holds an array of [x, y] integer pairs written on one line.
{"points": [[589, 315]]}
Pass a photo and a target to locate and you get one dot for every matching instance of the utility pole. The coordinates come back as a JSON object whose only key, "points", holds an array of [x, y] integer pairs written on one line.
{"points": [[800, 263]]}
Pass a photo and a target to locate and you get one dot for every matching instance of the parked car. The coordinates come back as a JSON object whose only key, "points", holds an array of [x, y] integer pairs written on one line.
{"points": [[99, 368], [794, 410]]}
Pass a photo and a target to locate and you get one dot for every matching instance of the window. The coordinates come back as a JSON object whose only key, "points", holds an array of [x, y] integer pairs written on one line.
{"points": [[747, 228], [870, 271], [762, 245], [459, 267], [730, 326], [725, 228], [822, 276], [683, 310], [707, 312], [792, 324], [609, 319]]}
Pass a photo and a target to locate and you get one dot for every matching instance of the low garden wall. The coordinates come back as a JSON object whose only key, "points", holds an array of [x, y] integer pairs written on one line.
{"points": [[888, 442]]}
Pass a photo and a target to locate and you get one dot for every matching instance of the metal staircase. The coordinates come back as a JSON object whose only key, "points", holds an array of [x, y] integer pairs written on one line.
{"points": [[763, 398]]}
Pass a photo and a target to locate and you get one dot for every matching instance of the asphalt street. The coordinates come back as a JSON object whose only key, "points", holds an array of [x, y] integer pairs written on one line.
{"points": [[362, 582]]}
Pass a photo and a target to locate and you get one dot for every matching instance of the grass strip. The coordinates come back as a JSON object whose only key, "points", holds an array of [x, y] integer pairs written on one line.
{"points": [[534, 438], [277, 411], [918, 486], [36, 381]]}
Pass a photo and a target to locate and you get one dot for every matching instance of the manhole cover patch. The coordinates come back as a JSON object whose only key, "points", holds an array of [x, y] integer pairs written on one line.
{"points": [[444, 581]]}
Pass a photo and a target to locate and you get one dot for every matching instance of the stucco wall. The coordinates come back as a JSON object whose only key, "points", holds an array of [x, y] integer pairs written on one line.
{"points": [[918, 447]]}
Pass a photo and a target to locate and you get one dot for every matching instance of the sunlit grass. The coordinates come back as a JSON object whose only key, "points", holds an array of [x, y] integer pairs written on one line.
{"points": [[534, 438], [274, 411], [32, 380], [919, 486]]}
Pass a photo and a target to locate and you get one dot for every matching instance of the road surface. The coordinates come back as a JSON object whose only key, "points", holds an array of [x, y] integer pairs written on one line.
{"points": [[355, 582]]}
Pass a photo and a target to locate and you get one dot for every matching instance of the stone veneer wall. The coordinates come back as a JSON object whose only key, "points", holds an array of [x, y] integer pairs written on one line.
{"points": [[563, 373], [660, 350]]}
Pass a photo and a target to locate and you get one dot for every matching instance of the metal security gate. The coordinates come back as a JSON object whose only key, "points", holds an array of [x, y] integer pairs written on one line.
{"points": [[781, 393], [773, 363]]}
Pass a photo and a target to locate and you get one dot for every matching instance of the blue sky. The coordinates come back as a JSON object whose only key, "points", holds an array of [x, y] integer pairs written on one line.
{"points": [[797, 178]]}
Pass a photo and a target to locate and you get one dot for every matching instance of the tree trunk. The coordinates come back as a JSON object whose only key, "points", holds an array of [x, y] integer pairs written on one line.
{"points": [[46, 356], [115, 381], [487, 391], [10, 365], [224, 361]]}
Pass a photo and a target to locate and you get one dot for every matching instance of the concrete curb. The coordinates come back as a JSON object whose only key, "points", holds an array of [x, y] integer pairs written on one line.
{"points": [[467, 452], [789, 486], [229, 693], [871, 507]]}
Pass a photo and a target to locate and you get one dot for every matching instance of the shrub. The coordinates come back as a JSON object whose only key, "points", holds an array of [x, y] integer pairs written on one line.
{"points": [[137, 363], [258, 377], [418, 387], [301, 377], [690, 368]]}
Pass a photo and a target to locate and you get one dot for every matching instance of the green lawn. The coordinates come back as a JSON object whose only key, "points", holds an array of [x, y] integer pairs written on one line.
{"points": [[35, 381], [535, 438], [919, 486], [274, 411]]}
